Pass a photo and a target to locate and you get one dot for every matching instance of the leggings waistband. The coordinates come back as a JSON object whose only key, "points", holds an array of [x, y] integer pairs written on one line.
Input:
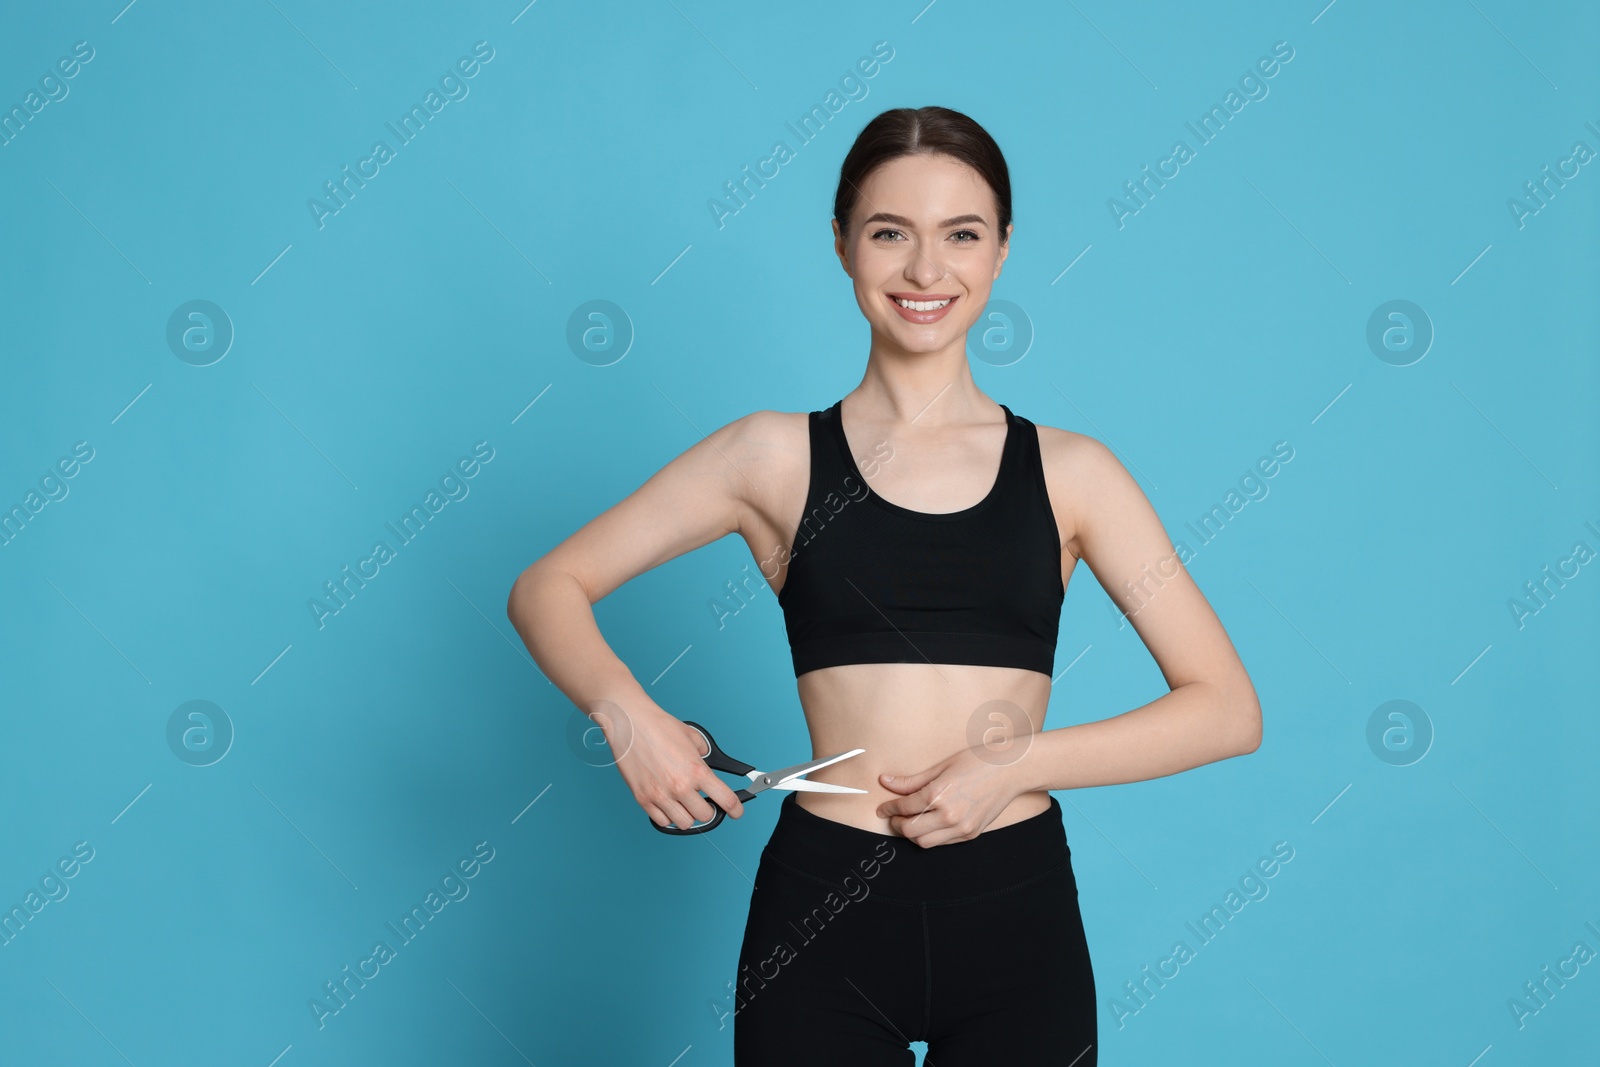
{"points": [[859, 862]]}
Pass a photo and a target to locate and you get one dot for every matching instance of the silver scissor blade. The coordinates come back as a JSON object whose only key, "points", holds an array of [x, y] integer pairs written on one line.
{"points": [[771, 779], [805, 785]]}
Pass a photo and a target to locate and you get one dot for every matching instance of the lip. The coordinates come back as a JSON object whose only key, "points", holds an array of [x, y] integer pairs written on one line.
{"points": [[921, 318]]}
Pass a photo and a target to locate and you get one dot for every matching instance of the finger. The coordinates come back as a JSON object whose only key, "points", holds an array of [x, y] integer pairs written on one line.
{"points": [[679, 813], [891, 809], [668, 814], [910, 783], [656, 815], [912, 804], [927, 832], [724, 797], [900, 783], [923, 815], [913, 834], [677, 810], [919, 822], [698, 806], [927, 841], [696, 738], [944, 835], [899, 805]]}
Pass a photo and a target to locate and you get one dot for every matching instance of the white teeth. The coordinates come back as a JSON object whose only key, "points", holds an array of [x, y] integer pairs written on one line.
{"points": [[922, 305]]}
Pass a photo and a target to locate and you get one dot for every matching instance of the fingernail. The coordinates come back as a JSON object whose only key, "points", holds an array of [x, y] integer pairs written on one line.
{"points": [[888, 777]]}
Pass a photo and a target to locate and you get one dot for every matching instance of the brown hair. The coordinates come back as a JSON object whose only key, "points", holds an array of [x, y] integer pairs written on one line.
{"points": [[905, 131]]}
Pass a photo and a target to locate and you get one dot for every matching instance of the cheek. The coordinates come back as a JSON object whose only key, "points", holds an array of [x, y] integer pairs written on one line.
{"points": [[872, 278], [871, 264], [979, 277]]}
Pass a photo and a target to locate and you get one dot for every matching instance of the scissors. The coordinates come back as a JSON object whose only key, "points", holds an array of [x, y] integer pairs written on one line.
{"points": [[788, 778]]}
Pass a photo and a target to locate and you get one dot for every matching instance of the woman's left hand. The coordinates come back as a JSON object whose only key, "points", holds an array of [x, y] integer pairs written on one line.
{"points": [[954, 800]]}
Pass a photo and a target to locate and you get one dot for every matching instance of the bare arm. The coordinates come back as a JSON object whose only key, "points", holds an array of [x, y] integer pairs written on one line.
{"points": [[698, 497], [1211, 712]]}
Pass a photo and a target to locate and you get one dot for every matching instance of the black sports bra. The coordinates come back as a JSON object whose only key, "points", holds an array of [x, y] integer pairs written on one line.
{"points": [[872, 582]]}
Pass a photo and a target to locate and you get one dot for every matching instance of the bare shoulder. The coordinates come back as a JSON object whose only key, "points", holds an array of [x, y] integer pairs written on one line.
{"points": [[771, 450], [768, 429], [772, 444], [1077, 471], [1065, 446]]}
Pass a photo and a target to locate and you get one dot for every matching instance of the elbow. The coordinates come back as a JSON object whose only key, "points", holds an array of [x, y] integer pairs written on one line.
{"points": [[518, 588], [1246, 712], [511, 598], [1239, 710], [1252, 736]]}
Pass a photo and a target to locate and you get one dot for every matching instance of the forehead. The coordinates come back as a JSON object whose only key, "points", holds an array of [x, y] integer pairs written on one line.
{"points": [[926, 188]]}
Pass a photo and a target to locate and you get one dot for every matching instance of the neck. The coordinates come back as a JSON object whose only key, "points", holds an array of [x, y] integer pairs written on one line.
{"points": [[923, 388]]}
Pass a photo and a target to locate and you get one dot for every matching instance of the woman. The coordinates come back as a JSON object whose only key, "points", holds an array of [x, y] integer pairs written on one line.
{"points": [[939, 904]]}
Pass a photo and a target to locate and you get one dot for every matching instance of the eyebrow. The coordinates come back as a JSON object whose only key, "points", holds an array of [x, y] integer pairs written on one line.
{"points": [[900, 220]]}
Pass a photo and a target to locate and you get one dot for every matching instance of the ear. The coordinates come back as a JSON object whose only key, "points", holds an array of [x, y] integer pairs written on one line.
{"points": [[841, 251], [1005, 250]]}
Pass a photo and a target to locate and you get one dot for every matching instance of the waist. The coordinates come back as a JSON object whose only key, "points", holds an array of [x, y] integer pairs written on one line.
{"points": [[859, 862]]}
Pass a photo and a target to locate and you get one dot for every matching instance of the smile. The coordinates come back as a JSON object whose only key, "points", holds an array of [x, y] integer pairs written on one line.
{"points": [[922, 312]]}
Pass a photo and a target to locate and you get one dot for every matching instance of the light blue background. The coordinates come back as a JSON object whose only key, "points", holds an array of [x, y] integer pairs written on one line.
{"points": [[372, 754]]}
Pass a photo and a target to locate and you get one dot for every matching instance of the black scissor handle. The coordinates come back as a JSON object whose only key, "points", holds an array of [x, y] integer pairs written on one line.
{"points": [[717, 760]]}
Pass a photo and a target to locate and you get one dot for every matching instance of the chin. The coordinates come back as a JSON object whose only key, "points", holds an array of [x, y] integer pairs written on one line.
{"points": [[916, 337], [931, 344]]}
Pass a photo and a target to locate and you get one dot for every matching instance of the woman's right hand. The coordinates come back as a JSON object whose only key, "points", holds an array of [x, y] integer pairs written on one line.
{"points": [[660, 758]]}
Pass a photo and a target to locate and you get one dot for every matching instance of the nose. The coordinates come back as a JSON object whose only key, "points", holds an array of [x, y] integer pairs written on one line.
{"points": [[924, 268]]}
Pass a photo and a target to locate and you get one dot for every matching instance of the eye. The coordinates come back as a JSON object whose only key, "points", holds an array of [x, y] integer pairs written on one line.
{"points": [[880, 233], [969, 233]]}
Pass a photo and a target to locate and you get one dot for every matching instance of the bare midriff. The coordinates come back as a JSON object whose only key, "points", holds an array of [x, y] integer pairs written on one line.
{"points": [[910, 716]]}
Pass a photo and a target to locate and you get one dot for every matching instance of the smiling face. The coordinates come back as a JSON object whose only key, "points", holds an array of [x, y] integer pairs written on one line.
{"points": [[923, 232]]}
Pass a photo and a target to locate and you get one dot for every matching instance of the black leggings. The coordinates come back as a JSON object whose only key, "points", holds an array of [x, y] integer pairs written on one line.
{"points": [[859, 943]]}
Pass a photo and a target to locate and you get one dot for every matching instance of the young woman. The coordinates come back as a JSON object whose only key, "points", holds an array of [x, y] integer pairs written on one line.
{"points": [[940, 904]]}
